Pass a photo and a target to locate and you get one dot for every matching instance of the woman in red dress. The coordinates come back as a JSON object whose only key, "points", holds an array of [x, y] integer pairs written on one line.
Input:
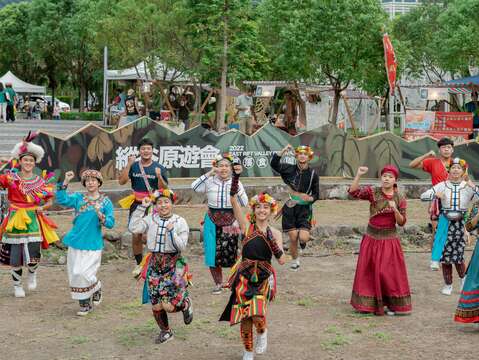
{"points": [[381, 276]]}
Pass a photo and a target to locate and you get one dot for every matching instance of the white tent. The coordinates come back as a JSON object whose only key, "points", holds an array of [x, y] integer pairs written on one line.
{"points": [[21, 86], [141, 72]]}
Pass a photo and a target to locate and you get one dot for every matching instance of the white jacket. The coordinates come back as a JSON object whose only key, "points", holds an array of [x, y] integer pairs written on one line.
{"points": [[218, 191], [158, 238], [456, 196]]}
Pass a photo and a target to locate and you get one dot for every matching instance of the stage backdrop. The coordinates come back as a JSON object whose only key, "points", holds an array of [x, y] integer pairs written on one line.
{"points": [[190, 154]]}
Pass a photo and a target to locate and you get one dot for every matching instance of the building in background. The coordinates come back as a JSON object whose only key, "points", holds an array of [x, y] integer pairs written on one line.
{"points": [[399, 7]]}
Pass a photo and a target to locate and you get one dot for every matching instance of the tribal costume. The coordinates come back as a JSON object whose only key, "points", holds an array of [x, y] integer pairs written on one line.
{"points": [[253, 284], [449, 240], [25, 229], [85, 240], [467, 310], [381, 276], [220, 229], [165, 271], [297, 213]]}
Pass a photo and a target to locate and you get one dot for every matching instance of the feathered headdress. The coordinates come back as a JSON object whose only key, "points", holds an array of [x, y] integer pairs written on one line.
{"points": [[224, 156], [26, 147]]}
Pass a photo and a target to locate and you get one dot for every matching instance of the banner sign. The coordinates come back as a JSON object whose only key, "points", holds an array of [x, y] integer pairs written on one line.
{"points": [[457, 125], [390, 63]]}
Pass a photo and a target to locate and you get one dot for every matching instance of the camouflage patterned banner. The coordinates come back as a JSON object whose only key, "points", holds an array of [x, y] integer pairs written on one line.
{"points": [[190, 154]]}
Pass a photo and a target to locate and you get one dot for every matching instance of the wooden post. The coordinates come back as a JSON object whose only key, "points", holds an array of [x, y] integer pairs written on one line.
{"points": [[210, 94], [168, 104], [377, 119], [350, 114]]}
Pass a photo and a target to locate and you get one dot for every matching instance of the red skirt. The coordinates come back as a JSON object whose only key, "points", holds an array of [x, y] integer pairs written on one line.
{"points": [[381, 276]]}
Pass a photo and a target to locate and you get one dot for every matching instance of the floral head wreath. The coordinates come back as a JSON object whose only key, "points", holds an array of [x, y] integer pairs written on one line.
{"points": [[306, 150], [262, 198], [458, 161], [225, 156], [165, 193]]}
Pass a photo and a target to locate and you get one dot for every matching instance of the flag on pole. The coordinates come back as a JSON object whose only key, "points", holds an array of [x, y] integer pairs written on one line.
{"points": [[390, 62]]}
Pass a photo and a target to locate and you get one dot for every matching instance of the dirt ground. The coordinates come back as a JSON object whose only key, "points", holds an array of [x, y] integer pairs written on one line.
{"points": [[310, 319]]}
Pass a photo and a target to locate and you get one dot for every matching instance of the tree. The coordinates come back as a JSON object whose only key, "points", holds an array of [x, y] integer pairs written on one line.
{"points": [[48, 38], [15, 54], [339, 42], [226, 38], [84, 52]]}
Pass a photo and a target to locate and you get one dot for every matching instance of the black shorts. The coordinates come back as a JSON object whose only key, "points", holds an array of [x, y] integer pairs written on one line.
{"points": [[297, 218], [14, 254]]}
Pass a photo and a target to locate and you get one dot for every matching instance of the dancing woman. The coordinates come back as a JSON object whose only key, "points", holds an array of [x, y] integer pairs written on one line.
{"points": [[381, 277], [253, 278]]}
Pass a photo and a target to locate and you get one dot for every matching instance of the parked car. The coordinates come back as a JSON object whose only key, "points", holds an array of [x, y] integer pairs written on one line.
{"points": [[46, 100]]}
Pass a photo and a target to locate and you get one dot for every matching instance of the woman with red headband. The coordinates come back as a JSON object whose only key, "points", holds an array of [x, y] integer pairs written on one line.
{"points": [[381, 277], [26, 229], [253, 278], [456, 195], [220, 229], [165, 269]]}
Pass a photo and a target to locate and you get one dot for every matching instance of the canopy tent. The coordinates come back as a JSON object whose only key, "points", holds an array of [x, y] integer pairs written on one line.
{"points": [[21, 86], [464, 85], [141, 72]]}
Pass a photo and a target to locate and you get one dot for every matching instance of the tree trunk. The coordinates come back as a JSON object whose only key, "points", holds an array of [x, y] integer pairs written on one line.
{"points": [[220, 114], [82, 97], [336, 98]]}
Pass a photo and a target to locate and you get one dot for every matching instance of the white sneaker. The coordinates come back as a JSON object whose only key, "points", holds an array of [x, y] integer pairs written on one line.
{"points": [[32, 281], [248, 355], [446, 290], [262, 342], [434, 265], [19, 292], [294, 265]]}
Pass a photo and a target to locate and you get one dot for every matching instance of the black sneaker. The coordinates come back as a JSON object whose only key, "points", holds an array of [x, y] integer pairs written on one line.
{"points": [[188, 313], [84, 310], [164, 336], [302, 245], [97, 298]]}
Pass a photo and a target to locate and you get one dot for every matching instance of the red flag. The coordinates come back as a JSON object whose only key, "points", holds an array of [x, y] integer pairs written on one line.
{"points": [[390, 62]]}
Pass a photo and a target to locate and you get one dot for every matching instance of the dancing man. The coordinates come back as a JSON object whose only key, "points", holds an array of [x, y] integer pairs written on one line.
{"points": [[456, 195], [220, 229], [381, 278], [166, 271], [437, 168], [26, 229], [85, 240], [146, 176], [303, 183], [253, 279]]}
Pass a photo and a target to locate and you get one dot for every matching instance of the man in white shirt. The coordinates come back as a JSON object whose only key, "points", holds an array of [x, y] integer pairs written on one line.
{"points": [[245, 111]]}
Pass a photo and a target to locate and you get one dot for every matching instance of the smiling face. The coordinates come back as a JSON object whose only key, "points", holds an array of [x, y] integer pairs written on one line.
{"points": [[456, 172], [224, 169], [262, 211], [446, 151], [388, 180], [92, 184], [164, 206], [302, 157], [27, 163], [146, 152]]}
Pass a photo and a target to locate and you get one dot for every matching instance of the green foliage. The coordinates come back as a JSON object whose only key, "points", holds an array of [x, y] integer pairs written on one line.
{"points": [[87, 116]]}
